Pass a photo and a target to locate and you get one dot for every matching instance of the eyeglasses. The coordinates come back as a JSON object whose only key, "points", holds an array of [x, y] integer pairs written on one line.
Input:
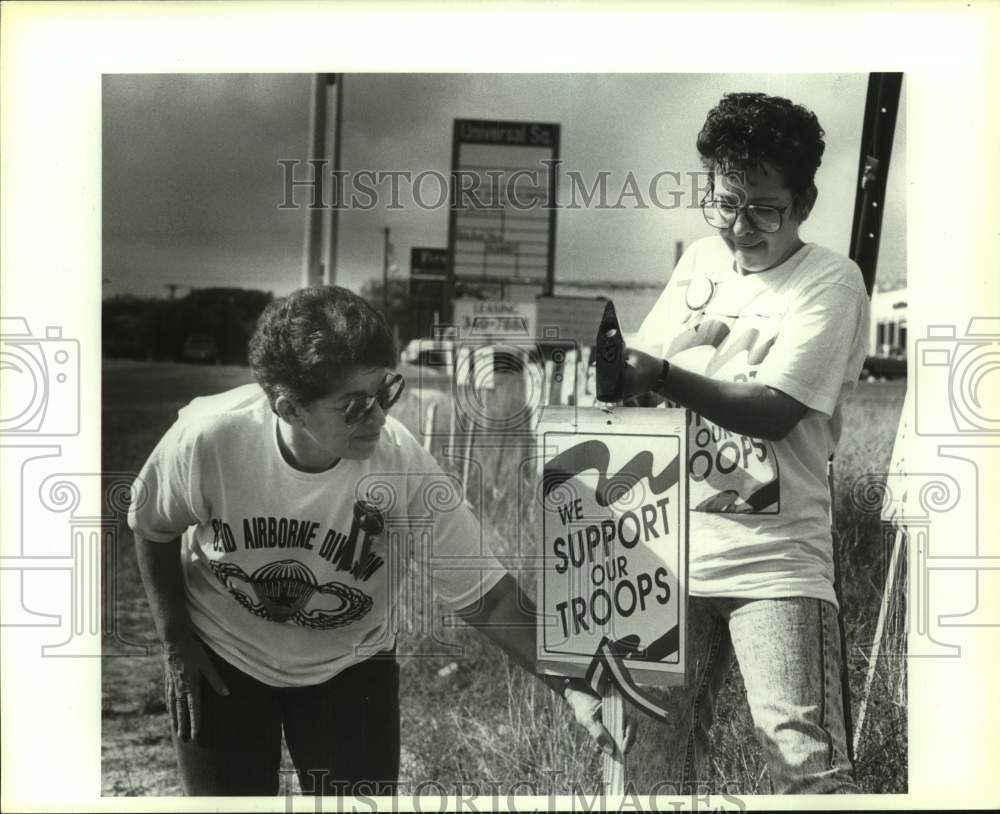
{"points": [[722, 215], [357, 409]]}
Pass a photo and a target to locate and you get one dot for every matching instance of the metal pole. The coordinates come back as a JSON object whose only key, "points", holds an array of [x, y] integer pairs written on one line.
{"points": [[337, 80], [447, 306], [877, 131], [550, 267], [312, 266]]}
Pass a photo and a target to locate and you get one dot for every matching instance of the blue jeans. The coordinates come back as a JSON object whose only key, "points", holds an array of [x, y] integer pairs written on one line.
{"points": [[789, 655]]}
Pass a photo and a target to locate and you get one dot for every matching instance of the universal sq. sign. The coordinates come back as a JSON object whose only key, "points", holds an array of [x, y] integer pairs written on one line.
{"points": [[502, 222], [614, 540]]}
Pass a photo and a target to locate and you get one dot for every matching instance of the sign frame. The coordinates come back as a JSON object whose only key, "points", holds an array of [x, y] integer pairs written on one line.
{"points": [[670, 424]]}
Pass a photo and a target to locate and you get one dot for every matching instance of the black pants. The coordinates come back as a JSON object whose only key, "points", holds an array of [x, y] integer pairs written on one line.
{"points": [[342, 735]]}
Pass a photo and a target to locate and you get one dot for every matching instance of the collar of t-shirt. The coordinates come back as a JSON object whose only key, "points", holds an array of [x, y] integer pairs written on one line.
{"points": [[298, 474], [789, 263]]}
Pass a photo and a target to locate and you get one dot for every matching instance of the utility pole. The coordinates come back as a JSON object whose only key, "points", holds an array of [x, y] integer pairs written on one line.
{"points": [[312, 262], [385, 274], [337, 81], [881, 106], [172, 288]]}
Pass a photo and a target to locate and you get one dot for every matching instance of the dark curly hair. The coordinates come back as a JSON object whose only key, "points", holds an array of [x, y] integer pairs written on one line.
{"points": [[746, 129], [307, 342]]}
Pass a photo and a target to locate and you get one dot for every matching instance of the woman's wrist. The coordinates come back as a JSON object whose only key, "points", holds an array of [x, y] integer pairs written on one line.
{"points": [[177, 643], [659, 386], [558, 684], [176, 632]]}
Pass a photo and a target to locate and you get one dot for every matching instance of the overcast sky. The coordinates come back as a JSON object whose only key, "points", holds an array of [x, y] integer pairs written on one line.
{"points": [[192, 182]]}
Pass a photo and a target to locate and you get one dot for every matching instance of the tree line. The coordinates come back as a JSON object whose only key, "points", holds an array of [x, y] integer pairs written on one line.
{"points": [[208, 325], [215, 324]]}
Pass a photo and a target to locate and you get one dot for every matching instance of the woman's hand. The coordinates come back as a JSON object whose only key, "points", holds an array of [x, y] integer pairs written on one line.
{"points": [[506, 616], [185, 662], [641, 372], [185, 659], [587, 710]]}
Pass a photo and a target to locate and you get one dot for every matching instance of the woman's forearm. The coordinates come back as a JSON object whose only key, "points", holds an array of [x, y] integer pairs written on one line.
{"points": [[506, 616], [160, 568], [747, 408]]}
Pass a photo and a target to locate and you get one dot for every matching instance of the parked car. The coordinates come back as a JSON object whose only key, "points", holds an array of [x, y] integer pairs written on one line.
{"points": [[200, 348], [883, 368], [430, 352]]}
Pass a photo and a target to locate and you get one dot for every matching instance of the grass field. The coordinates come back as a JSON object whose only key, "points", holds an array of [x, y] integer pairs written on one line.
{"points": [[475, 719]]}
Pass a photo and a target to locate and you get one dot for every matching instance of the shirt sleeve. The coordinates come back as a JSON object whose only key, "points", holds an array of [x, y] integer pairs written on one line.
{"points": [[166, 498], [455, 556], [817, 345], [649, 339], [652, 335]]}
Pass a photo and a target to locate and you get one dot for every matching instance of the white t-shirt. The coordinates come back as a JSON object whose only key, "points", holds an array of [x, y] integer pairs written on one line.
{"points": [[760, 510], [294, 576]]}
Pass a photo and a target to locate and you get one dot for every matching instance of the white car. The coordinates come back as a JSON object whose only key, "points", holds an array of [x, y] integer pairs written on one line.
{"points": [[425, 351]]}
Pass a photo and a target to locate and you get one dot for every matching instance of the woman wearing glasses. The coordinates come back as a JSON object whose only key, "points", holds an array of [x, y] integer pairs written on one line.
{"points": [[262, 524], [761, 336]]}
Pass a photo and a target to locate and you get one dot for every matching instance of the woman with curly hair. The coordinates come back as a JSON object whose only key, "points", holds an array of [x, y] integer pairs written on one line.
{"points": [[275, 525], [762, 337]]}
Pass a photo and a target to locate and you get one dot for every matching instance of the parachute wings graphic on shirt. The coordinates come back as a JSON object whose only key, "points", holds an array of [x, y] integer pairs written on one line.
{"points": [[284, 588]]}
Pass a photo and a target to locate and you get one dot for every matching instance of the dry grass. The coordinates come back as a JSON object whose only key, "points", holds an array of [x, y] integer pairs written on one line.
{"points": [[866, 445]]}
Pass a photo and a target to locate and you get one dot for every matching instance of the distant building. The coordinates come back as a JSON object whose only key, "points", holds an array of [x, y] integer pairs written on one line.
{"points": [[887, 336]]}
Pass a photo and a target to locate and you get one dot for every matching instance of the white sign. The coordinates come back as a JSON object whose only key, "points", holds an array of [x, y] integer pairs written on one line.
{"points": [[614, 543], [486, 319]]}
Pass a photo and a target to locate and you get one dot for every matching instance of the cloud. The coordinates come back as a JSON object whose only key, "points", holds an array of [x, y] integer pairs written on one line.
{"points": [[188, 157]]}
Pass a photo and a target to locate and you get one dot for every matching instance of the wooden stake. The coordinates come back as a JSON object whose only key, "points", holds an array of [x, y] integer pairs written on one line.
{"points": [[429, 417], [613, 715], [888, 592], [467, 458]]}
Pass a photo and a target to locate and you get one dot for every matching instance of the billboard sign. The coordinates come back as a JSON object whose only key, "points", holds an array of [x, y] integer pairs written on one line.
{"points": [[502, 222], [428, 262], [428, 273]]}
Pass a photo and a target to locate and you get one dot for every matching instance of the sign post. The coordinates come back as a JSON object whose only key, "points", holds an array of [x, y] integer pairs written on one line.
{"points": [[613, 593]]}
